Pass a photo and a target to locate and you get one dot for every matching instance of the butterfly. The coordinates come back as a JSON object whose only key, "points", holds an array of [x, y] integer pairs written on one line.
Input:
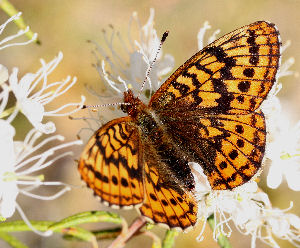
{"points": [[206, 112]]}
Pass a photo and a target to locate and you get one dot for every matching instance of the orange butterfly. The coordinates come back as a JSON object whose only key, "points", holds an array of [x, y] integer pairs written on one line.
{"points": [[206, 112]]}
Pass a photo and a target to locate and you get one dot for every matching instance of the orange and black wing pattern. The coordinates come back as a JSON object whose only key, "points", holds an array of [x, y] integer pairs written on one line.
{"points": [[111, 163], [167, 198], [229, 147], [209, 105], [231, 75], [206, 112]]}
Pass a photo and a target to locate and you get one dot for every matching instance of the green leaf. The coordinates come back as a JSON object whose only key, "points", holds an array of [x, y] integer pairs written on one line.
{"points": [[12, 241]]}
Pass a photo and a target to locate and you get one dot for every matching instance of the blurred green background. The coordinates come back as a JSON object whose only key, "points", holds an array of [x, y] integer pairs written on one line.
{"points": [[67, 25]]}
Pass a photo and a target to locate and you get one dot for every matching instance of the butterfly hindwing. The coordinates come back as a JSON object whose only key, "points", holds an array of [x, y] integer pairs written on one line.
{"points": [[166, 199], [111, 163], [232, 74], [229, 148]]}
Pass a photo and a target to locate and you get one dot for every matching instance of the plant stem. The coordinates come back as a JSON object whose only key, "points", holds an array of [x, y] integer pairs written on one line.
{"points": [[12, 241], [169, 239], [222, 239], [121, 240], [10, 10]]}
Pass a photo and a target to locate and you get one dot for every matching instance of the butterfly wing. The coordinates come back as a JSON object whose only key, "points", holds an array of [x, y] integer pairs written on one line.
{"points": [[167, 200], [229, 147], [111, 163], [122, 174], [231, 75], [209, 105]]}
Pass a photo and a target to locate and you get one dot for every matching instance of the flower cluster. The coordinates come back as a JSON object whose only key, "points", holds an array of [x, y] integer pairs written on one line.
{"points": [[247, 207], [127, 68], [250, 210], [22, 161]]}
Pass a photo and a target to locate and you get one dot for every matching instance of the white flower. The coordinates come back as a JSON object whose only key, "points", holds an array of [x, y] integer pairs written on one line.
{"points": [[283, 225], [127, 68], [273, 222], [21, 160], [33, 93], [283, 151], [250, 210], [237, 205], [4, 43]]}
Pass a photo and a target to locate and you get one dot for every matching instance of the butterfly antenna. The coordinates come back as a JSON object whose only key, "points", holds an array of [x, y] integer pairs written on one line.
{"points": [[103, 105], [163, 39]]}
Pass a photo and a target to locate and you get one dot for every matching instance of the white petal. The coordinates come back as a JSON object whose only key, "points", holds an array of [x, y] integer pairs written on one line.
{"points": [[3, 74], [6, 130], [228, 205], [138, 66], [245, 212], [274, 177], [247, 187], [13, 80], [33, 110], [8, 201], [294, 220], [201, 34], [25, 83], [292, 177], [279, 226], [262, 197], [7, 153], [252, 225]]}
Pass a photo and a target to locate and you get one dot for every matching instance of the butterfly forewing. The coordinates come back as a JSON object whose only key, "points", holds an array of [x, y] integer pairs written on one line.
{"points": [[231, 75]]}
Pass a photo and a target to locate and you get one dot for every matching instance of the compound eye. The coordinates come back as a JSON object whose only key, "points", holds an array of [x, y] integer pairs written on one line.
{"points": [[124, 108]]}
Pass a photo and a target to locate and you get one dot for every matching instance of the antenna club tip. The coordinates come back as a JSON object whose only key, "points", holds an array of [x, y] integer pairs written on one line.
{"points": [[164, 37], [83, 106]]}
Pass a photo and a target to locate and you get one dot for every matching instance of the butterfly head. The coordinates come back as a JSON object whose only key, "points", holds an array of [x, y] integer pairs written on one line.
{"points": [[132, 105]]}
